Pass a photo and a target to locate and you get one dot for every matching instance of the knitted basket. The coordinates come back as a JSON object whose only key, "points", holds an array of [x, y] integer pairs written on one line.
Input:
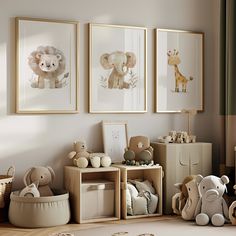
{"points": [[5, 190]]}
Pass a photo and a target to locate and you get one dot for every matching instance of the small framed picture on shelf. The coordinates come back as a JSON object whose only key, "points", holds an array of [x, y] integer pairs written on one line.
{"points": [[115, 139], [179, 70], [46, 66], [117, 69]]}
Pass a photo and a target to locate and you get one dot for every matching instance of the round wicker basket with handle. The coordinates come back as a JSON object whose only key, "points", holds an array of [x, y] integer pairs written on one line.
{"points": [[5, 191]]}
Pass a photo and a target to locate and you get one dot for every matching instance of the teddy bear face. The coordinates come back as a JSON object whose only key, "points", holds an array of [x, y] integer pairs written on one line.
{"points": [[48, 63], [80, 146], [211, 188]]}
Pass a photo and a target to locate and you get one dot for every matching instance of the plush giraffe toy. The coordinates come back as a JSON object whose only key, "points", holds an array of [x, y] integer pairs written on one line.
{"points": [[174, 60]]}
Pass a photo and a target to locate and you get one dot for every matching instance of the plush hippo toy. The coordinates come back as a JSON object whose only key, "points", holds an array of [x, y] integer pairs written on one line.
{"points": [[212, 206]]}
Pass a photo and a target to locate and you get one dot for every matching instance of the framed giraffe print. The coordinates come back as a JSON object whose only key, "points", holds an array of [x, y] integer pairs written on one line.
{"points": [[179, 71]]}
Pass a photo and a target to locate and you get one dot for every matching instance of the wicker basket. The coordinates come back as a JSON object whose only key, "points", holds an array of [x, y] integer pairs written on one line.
{"points": [[5, 190]]}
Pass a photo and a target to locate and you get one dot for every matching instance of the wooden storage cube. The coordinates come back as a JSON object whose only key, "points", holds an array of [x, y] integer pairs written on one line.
{"points": [[103, 182], [151, 173]]}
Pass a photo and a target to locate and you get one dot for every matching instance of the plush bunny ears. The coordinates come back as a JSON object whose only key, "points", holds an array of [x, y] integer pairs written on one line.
{"points": [[27, 177]]}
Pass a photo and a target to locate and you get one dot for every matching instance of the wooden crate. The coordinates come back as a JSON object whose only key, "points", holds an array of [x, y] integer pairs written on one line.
{"points": [[151, 173], [74, 177]]}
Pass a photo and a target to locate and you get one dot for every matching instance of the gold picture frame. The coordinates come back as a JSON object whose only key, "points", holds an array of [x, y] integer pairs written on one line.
{"points": [[47, 76], [179, 82], [113, 90]]}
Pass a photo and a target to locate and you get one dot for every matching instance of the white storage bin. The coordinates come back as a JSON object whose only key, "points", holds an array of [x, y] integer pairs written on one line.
{"points": [[98, 199]]}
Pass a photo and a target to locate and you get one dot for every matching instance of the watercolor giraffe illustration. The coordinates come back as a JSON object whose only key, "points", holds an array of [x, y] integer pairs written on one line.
{"points": [[180, 79]]}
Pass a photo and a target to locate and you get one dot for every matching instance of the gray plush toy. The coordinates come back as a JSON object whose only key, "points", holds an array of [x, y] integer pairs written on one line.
{"points": [[212, 206]]}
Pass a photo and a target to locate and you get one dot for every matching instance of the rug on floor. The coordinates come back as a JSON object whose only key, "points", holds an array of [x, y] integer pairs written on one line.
{"points": [[176, 227]]}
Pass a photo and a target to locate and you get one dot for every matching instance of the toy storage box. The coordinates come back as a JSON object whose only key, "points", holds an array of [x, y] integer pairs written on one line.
{"points": [[152, 173], [97, 199], [94, 193]]}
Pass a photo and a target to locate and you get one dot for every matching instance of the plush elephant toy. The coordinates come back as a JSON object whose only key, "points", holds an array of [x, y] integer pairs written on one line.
{"points": [[41, 175], [119, 62], [211, 206]]}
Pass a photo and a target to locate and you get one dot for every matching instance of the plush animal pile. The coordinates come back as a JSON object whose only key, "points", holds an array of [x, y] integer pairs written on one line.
{"points": [[203, 200], [141, 198], [82, 158]]}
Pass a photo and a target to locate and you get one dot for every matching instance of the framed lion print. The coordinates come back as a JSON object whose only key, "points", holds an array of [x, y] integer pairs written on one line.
{"points": [[179, 70], [117, 69], [46, 61]]}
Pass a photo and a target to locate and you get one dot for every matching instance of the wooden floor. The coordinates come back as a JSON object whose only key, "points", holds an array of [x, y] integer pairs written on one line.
{"points": [[7, 229]]}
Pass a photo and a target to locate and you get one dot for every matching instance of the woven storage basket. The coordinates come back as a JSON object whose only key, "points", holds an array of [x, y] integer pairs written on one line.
{"points": [[5, 190]]}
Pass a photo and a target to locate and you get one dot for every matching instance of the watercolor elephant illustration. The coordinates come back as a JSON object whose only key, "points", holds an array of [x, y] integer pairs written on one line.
{"points": [[180, 79], [119, 62]]}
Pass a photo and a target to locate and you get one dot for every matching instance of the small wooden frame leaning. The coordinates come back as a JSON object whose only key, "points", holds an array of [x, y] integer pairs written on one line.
{"points": [[115, 139]]}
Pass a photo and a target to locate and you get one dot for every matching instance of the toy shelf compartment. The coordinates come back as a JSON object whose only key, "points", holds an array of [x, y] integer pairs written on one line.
{"points": [[152, 173], [97, 186]]}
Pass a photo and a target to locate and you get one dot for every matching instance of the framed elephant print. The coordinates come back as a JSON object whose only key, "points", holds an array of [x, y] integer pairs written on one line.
{"points": [[179, 75], [117, 69], [46, 66]]}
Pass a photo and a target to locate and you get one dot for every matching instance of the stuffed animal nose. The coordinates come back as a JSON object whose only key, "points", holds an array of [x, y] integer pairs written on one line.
{"points": [[48, 65]]}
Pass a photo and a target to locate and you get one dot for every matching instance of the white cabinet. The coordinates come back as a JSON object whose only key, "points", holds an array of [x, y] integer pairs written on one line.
{"points": [[179, 161]]}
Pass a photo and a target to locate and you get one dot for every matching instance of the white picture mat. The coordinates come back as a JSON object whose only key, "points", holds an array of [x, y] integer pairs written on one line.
{"points": [[62, 36], [106, 39], [189, 46], [115, 140]]}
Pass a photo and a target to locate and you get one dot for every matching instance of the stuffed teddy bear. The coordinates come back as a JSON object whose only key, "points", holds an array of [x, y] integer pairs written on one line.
{"points": [[139, 151], [81, 157], [211, 205], [43, 175]]}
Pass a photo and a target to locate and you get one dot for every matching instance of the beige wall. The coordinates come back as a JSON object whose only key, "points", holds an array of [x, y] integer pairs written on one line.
{"points": [[28, 140]]}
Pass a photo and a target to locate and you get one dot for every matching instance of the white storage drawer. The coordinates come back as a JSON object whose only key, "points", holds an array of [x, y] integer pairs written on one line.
{"points": [[98, 199]]}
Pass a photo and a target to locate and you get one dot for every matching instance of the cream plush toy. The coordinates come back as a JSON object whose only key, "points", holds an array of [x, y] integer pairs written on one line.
{"points": [[81, 157], [43, 175], [30, 191], [192, 200], [182, 196], [212, 206]]}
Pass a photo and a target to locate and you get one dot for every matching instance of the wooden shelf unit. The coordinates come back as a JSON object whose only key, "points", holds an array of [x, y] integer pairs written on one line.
{"points": [[152, 173], [73, 180]]}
